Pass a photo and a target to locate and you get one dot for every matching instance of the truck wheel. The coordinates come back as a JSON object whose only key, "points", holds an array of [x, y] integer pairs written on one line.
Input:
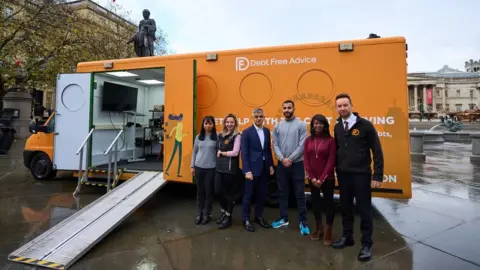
{"points": [[41, 167]]}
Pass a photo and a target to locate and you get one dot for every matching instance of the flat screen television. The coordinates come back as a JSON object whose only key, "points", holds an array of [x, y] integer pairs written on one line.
{"points": [[118, 98]]}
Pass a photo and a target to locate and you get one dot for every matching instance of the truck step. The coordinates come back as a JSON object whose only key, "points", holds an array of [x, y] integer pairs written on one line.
{"points": [[99, 178]]}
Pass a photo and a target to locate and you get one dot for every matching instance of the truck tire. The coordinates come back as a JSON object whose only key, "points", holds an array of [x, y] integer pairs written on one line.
{"points": [[41, 167]]}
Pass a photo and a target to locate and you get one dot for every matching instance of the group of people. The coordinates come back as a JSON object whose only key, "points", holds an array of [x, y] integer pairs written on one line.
{"points": [[316, 155]]}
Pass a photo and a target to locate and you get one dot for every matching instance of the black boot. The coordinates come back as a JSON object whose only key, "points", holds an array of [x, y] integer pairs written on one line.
{"points": [[343, 242], [199, 218], [206, 219], [222, 217], [227, 221]]}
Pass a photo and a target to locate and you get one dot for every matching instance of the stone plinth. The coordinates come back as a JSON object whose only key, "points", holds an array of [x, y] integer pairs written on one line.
{"points": [[433, 137], [475, 157], [463, 137], [416, 146], [23, 102]]}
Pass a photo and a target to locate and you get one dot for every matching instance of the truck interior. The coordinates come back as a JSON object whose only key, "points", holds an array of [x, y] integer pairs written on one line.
{"points": [[133, 101]]}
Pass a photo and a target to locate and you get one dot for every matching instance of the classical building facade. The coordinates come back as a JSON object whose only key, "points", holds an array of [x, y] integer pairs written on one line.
{"points": [[446, 90]]}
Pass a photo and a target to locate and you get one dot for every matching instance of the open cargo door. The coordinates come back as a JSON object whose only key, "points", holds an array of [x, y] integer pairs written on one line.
{"points": [[180, 90], [72, 118]]}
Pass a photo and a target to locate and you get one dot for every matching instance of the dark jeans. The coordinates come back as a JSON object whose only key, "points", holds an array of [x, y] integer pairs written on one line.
{"points": [[294, 174], [177, 145], [258, 187], [205, 179], [227, 186], [327, 203], [356, 186]]}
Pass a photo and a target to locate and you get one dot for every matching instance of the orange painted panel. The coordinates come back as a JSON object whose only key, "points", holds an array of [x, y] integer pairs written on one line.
{"points": [[179, 117]]}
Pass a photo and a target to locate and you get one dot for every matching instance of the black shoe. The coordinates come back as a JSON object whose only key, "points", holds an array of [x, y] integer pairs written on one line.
{"points": [[222, 217], [227, 221], [248, 226], [199, 218], [262, 222], [343, 242], [206, 219], [365, 253]]}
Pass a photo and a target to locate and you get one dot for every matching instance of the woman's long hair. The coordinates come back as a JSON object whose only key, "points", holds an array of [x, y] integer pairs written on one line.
{"points": [[326, 126], [235, 128], [213, 135]]}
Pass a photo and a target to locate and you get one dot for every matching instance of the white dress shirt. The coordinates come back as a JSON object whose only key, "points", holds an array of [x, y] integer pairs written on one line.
{"points": [[351, 121], [261, 135]]}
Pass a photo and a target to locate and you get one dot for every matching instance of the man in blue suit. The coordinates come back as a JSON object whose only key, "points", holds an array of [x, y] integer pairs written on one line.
{"points": [[257, 165]]}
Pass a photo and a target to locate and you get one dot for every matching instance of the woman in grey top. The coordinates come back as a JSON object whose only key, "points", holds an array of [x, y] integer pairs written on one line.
{"points": [[203, 168]]}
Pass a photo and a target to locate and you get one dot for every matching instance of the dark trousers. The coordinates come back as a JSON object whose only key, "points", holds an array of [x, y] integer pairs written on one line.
{"points": [[326, 203], [356, 186], [285, 176], [257, 187], [205, 179], [227, 189]]}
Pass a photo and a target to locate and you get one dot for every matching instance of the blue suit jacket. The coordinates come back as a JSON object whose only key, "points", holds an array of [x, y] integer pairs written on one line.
{"points": [[253, 153]]}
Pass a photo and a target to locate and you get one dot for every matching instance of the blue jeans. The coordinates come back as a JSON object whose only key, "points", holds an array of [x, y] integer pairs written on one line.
{"points": [[285, 176]]}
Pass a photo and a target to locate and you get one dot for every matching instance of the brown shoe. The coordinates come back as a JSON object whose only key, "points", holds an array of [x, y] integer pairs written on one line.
{"points": [[318, 233], [328, 236]]}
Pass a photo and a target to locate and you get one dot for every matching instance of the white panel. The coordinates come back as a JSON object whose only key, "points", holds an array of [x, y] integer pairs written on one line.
{"points": [[72, 119]]}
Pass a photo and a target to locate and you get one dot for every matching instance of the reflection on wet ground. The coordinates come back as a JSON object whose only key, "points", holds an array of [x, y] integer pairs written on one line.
{"points": [[437, 229]]}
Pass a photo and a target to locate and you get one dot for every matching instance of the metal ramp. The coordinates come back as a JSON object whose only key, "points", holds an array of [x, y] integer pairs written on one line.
{"points": [[65, 243]]}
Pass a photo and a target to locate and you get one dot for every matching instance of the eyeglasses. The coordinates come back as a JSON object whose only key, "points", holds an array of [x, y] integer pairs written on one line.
{"points": [[259, 116]]}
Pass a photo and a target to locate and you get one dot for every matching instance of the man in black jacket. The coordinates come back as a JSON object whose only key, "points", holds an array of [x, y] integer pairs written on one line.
{"points": [[355, 137]]}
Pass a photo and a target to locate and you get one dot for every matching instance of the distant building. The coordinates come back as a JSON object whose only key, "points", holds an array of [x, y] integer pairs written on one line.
{"points": [[446, 90]]}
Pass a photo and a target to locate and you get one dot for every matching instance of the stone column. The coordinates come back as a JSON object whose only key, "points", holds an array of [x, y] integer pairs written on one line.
{"points": [[444, 104], [434, 102], [475, 157], [23, 102], [416, 146], [425, 98], [415, 96]]}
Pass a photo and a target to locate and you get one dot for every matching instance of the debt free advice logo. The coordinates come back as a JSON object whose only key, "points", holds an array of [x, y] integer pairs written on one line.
{"points": [[242, 63]]}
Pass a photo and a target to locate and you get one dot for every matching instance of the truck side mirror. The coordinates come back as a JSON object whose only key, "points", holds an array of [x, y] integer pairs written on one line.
{"points": [[32, 128]]}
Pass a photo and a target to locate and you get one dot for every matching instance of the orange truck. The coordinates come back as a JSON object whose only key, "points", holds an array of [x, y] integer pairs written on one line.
{"points": [[137, 102]]}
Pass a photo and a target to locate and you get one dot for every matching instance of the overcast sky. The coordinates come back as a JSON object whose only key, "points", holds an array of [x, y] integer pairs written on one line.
{"points": [[438, 32]]}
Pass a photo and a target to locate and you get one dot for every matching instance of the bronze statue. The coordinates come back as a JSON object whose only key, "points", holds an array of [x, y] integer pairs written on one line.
{"points": [[144, 38]]}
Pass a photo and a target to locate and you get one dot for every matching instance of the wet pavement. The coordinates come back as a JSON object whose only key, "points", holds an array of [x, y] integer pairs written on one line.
{"points": [[439, 228]]}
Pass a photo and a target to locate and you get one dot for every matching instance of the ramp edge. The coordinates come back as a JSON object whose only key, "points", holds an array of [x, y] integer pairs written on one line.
{"points": [[36, 262]]}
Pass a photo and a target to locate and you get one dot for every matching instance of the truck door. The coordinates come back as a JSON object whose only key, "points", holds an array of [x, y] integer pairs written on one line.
{"points": [[179, 117], [72, 118]]}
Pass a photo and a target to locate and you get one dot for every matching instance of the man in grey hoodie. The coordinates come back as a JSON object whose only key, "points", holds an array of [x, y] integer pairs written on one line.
{"points": [[288, 139]]}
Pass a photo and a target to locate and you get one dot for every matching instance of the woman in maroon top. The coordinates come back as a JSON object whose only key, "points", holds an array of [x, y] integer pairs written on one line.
{"points": [[319, 160]]}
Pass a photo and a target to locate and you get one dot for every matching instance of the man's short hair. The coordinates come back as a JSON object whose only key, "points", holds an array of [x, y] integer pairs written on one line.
{"points": [[289, 101], [343, 95], [257, 110]]}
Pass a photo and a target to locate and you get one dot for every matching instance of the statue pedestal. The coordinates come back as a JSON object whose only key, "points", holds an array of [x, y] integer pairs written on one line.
{"points": [[475, 157], [416, 146], [23, 102]]}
